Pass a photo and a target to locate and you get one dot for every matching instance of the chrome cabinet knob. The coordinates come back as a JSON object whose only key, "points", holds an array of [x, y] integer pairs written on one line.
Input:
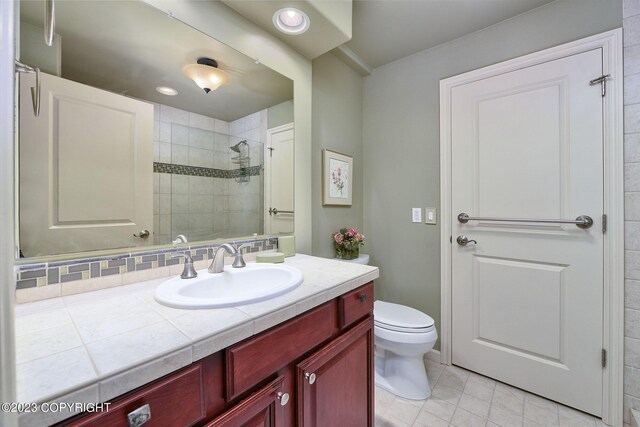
{"points": [[464, 241], [362, 297], [283, 398], [311, 377]]}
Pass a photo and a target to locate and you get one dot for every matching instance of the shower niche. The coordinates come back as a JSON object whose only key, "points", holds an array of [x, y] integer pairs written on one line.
{"points": [[210, 184]]}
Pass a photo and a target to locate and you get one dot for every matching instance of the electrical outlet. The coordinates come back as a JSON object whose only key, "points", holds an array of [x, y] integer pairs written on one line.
{"points": [[416, 214], [430, 216]]}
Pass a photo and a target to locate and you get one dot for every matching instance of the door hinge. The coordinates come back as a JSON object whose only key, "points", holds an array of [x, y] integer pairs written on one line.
{"points": [[604, 358], [604, 223], [270, 151], [602, 80]]}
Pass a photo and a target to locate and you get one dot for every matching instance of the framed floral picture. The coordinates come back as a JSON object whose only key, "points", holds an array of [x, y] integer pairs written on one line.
{"points": [[337, 174]]}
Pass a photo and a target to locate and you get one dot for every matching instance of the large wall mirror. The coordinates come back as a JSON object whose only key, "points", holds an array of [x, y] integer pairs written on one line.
{"points": [[128, 149]]}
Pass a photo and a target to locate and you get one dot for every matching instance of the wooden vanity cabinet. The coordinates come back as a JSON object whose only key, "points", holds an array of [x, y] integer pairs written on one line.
{"points": [[264, 408], [335, 385], [313, 370]]}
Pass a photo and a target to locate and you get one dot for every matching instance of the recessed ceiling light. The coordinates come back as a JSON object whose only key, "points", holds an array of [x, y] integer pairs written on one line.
{"points": [[291, 21], [165, 90]]}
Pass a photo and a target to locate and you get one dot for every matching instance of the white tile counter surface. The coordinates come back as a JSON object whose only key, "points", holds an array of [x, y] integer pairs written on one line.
{"points": [[94, 346]]}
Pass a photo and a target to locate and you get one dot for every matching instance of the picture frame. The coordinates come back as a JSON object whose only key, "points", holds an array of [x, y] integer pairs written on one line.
{"points": [[337, 178]]}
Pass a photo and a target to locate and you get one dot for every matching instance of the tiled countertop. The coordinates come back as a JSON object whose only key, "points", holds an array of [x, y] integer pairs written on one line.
{"points": [[94, 346]]}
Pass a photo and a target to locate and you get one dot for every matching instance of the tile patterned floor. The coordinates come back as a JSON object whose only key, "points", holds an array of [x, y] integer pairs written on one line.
{"points": [[465, 399]]}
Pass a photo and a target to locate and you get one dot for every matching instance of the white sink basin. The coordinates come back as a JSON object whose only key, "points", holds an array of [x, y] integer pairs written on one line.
{"points": [[232, 287]]}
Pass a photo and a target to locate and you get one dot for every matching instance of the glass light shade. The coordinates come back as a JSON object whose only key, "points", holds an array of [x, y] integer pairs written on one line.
{"points": [[206, 77], [291, 21]]}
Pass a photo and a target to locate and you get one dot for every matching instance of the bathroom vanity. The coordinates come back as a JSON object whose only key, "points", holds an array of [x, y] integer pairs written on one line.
{"points": [[315, 369], [309, 362]]}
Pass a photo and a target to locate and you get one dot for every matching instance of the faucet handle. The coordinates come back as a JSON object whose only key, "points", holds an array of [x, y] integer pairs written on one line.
{"points": [[240, 247], [239, 260], [189, 272], [186, 256]]}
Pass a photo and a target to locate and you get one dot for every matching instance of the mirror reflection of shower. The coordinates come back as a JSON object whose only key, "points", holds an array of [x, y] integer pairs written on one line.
{"points": [[242, 160]]}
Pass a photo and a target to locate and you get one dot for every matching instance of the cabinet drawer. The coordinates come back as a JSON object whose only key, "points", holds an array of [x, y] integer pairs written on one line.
{"points": [[174, 401], [256, 358], [355, 305]]}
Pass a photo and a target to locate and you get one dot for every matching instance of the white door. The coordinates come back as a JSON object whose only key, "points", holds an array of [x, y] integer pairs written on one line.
{"points": [[86, 168], [279, 180], [527, 298]]}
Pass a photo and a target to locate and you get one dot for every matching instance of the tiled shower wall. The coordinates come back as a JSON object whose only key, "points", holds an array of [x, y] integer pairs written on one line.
{"points": [[246, 199], [200, 207], [631, 24]]}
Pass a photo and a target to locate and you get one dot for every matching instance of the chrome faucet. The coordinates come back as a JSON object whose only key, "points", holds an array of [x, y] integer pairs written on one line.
{"points": [[217, 265], [180, 239], [188, 272]]}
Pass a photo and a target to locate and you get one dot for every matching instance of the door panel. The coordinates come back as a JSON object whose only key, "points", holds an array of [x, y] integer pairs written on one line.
{"points": [[279, 181], [527, 298], [86, 169], [527, 286]]}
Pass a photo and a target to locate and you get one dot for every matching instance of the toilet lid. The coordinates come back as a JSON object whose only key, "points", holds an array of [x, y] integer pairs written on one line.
{"points": [[400, 317]]}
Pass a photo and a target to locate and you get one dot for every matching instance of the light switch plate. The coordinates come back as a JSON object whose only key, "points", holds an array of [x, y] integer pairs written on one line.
{"points": [[416, 214], [430, 216]]}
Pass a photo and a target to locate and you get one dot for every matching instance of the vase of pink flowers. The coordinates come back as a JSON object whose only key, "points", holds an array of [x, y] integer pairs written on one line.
{"points": [[347, 242]]}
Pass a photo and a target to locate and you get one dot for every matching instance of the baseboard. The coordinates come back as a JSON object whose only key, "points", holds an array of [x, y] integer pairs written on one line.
{"points": [[433, 355]]}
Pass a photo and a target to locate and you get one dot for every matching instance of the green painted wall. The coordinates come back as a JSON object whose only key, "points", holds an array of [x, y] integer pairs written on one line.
{"points": [[336, 125]]}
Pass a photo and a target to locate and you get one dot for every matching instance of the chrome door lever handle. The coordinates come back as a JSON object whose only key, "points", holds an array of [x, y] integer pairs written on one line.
{"points": [[464, 241], [143, 234]]}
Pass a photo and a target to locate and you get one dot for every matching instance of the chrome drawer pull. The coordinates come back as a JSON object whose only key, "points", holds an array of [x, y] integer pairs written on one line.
{"points": [[362, 297], [139, 416]]}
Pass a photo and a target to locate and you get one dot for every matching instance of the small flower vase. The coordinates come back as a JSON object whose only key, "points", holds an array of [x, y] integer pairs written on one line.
{"points": [[345, 253]]}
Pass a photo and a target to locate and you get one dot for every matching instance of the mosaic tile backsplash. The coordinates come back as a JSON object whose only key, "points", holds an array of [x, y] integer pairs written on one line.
{"points": [[51, 273]]}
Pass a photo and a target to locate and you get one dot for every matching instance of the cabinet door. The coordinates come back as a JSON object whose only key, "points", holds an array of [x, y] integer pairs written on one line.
{"points": [[335, 385], [265, 408]]}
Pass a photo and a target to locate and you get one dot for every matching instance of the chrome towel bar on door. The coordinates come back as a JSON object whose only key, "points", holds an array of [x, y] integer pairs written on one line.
{"points": [[583, 221]]}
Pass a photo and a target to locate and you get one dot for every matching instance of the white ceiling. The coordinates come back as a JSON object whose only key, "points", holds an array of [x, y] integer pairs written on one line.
{"points": [[324, 33], [387, 30], [129, 47]]}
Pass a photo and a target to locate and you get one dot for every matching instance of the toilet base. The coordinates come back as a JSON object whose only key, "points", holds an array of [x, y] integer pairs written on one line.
{"points": [[404, 376]]}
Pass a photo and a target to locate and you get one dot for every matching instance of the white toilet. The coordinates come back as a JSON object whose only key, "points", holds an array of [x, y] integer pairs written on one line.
{"points": [[402, 336]]}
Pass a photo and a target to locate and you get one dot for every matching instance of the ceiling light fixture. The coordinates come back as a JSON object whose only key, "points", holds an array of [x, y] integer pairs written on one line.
{"points": [[166, 90], [291, 21], [206, 74]]}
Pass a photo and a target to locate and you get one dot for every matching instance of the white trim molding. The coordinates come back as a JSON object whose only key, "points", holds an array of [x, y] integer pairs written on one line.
{"points": [[8, 13], [613, 323]]}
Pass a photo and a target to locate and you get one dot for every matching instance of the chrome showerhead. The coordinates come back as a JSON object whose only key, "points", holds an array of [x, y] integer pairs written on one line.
{"points": [[236, 147]]}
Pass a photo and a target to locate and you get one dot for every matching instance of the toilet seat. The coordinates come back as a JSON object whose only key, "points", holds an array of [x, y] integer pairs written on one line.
{"points": [[400, 318]]}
